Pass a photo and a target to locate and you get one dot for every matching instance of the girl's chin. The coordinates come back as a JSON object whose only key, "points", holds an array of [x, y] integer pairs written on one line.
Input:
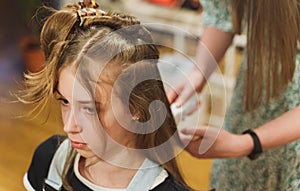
{"points": [[86, 154]]}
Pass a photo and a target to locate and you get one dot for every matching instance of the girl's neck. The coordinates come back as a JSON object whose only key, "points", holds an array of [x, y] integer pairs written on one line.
{"points": [[105, 174]]}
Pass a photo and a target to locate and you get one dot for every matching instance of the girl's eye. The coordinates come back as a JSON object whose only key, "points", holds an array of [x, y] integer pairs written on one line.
{"points": [[63, 101], [90, 110]]}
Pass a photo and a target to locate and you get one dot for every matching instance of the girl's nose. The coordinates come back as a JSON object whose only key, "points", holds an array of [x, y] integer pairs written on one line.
{"points": [[70, 125]]}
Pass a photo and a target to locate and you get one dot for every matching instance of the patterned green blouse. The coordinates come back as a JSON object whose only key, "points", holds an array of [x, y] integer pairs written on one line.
{"points": [[277, 169]]}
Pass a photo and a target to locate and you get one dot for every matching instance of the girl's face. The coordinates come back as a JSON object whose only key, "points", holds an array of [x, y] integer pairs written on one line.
{"points": [[81, 115]]}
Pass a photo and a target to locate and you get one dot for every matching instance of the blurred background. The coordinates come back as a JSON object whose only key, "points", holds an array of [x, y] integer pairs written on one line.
{"points": [[176, 24]]}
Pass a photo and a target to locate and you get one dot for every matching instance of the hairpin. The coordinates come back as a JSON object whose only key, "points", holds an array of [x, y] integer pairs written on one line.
{"points": [[88, 8]]}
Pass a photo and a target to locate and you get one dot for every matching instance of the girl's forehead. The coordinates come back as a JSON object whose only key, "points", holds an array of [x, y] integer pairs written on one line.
{"points": [[70, 87], [93, 76], [97, 68]]}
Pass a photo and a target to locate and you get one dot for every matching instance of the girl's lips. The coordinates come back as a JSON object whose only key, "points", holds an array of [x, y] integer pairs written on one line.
{"points": [[78, 145]]}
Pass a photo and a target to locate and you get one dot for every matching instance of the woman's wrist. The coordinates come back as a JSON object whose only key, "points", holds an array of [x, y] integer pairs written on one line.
{"points": [[245, 145], [257, 147], [197, 77], [237, 145]]}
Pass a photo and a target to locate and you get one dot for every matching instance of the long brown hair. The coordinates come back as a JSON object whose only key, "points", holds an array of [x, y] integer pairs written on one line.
{"points": [[65, 38], [273, 31]]}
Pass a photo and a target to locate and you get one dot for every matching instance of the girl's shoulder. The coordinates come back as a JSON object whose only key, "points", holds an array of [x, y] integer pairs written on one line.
{"points": [[44, 153], [42, 159]]}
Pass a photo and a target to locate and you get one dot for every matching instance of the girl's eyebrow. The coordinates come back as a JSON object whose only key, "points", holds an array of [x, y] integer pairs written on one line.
{"points": [[82, 102], [59, 93]]}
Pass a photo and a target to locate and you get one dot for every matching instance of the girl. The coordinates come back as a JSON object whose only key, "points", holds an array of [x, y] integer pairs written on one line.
{"points": [[121, 133]]}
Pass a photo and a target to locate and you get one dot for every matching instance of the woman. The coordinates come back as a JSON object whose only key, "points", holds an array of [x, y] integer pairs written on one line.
{"points": [[121, 134], [267, 87]]}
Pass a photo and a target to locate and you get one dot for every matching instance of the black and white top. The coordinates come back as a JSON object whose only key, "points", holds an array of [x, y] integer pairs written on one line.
{"points": [[50, 156]]}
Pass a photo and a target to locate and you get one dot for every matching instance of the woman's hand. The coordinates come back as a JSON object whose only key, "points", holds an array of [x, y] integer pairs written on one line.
{"points": [[182, 92], [212, 142]]}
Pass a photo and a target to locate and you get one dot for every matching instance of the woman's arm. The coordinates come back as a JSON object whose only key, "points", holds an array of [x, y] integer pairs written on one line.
{"points": [[211, 48], [280, 131], [223, 144], [216, 41]]}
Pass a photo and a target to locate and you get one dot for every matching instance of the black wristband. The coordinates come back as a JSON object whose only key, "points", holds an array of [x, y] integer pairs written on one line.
{"points": [[257, 146]]}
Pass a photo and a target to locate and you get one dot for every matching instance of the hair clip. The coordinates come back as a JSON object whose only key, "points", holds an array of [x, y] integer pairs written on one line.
{"points": [[88, 8], [88, 4]]}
